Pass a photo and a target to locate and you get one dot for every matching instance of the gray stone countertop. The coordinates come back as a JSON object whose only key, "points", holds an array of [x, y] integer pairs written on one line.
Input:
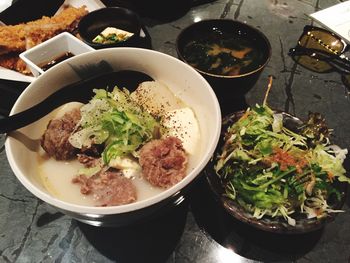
{"points": [[197, 230]]}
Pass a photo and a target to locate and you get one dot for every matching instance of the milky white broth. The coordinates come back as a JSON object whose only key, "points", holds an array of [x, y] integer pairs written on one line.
{"points": [[57, 176]]}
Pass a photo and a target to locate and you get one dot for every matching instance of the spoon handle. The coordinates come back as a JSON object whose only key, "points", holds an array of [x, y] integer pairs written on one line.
{"points": [[78, 91], [28, 116], [81, 91]]}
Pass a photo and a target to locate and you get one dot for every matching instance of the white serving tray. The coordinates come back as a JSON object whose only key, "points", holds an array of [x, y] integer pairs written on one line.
{"points": [[91, 5]]}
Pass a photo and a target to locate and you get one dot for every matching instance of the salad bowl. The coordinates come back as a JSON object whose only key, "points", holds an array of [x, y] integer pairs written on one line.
{"points": [[272, 224]]}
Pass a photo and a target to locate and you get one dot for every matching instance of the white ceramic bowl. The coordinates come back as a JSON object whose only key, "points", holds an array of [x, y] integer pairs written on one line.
{"points": [[183, 80], [52, 49]]}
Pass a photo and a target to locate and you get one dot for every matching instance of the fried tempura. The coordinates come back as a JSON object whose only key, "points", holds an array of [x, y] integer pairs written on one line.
{"points": [[12, 61], [15, 39]]}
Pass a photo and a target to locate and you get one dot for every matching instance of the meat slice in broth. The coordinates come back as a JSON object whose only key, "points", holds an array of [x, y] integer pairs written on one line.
{"points": [[163, 161], [108, 188], [55, 139]]}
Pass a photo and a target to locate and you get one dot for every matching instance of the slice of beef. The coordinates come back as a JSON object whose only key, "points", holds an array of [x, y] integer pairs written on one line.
{"points": [[55, 139], [108, 188], [163, 161]]}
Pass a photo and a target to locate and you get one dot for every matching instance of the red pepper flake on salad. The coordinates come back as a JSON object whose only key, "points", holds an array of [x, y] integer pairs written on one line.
{"points": [[286, 159]]}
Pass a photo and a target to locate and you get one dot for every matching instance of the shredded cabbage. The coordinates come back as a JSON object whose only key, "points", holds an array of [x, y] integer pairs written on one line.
{"points": [[115, 121], [273, 171]]}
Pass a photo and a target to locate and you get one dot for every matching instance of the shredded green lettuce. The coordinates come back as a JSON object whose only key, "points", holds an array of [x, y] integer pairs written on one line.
{"points": [[273, 171], [115, 121]]}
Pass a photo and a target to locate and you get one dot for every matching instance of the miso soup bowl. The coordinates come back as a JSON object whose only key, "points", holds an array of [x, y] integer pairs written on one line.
{"points": [[230, 89], [22, 146]]}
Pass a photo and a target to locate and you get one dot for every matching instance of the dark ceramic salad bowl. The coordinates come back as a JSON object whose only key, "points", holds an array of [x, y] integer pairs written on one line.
{"points": [[267, 223]]}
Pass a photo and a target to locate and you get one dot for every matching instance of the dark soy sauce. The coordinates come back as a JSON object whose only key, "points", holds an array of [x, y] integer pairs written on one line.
{"points": [[45, 66]]}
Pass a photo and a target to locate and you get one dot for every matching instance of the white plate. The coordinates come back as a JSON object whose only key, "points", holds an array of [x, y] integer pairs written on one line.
{"points": [[335, 18], [91, 5], [5, 4]]}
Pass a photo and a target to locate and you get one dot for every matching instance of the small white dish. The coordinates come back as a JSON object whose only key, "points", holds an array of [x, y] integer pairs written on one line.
{"points": [[52, 50]]}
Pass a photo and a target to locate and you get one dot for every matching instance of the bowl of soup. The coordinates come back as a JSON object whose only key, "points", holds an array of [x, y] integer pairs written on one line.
{"points": [[230, 54], [127, 153]]}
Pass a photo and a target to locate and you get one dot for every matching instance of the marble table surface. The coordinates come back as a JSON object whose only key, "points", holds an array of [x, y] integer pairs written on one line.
{"points": [[197, 230]]}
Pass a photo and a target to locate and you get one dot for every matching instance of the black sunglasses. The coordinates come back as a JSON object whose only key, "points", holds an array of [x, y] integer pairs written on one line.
{"points": [[321, 51], [337, 63]]}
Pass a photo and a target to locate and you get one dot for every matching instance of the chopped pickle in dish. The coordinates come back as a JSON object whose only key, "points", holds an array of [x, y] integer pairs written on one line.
{"points": [[111, 35]]}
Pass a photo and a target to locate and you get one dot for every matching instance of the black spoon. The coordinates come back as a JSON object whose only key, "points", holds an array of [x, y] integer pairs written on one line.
{"points": [[81, 91]]}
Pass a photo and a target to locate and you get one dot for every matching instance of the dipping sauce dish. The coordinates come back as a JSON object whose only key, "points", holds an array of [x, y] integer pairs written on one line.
{"points": [[53, 51]]}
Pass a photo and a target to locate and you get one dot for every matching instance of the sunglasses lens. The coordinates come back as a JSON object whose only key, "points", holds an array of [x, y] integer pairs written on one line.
{"points": [[321, 40], [313, 64]]}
